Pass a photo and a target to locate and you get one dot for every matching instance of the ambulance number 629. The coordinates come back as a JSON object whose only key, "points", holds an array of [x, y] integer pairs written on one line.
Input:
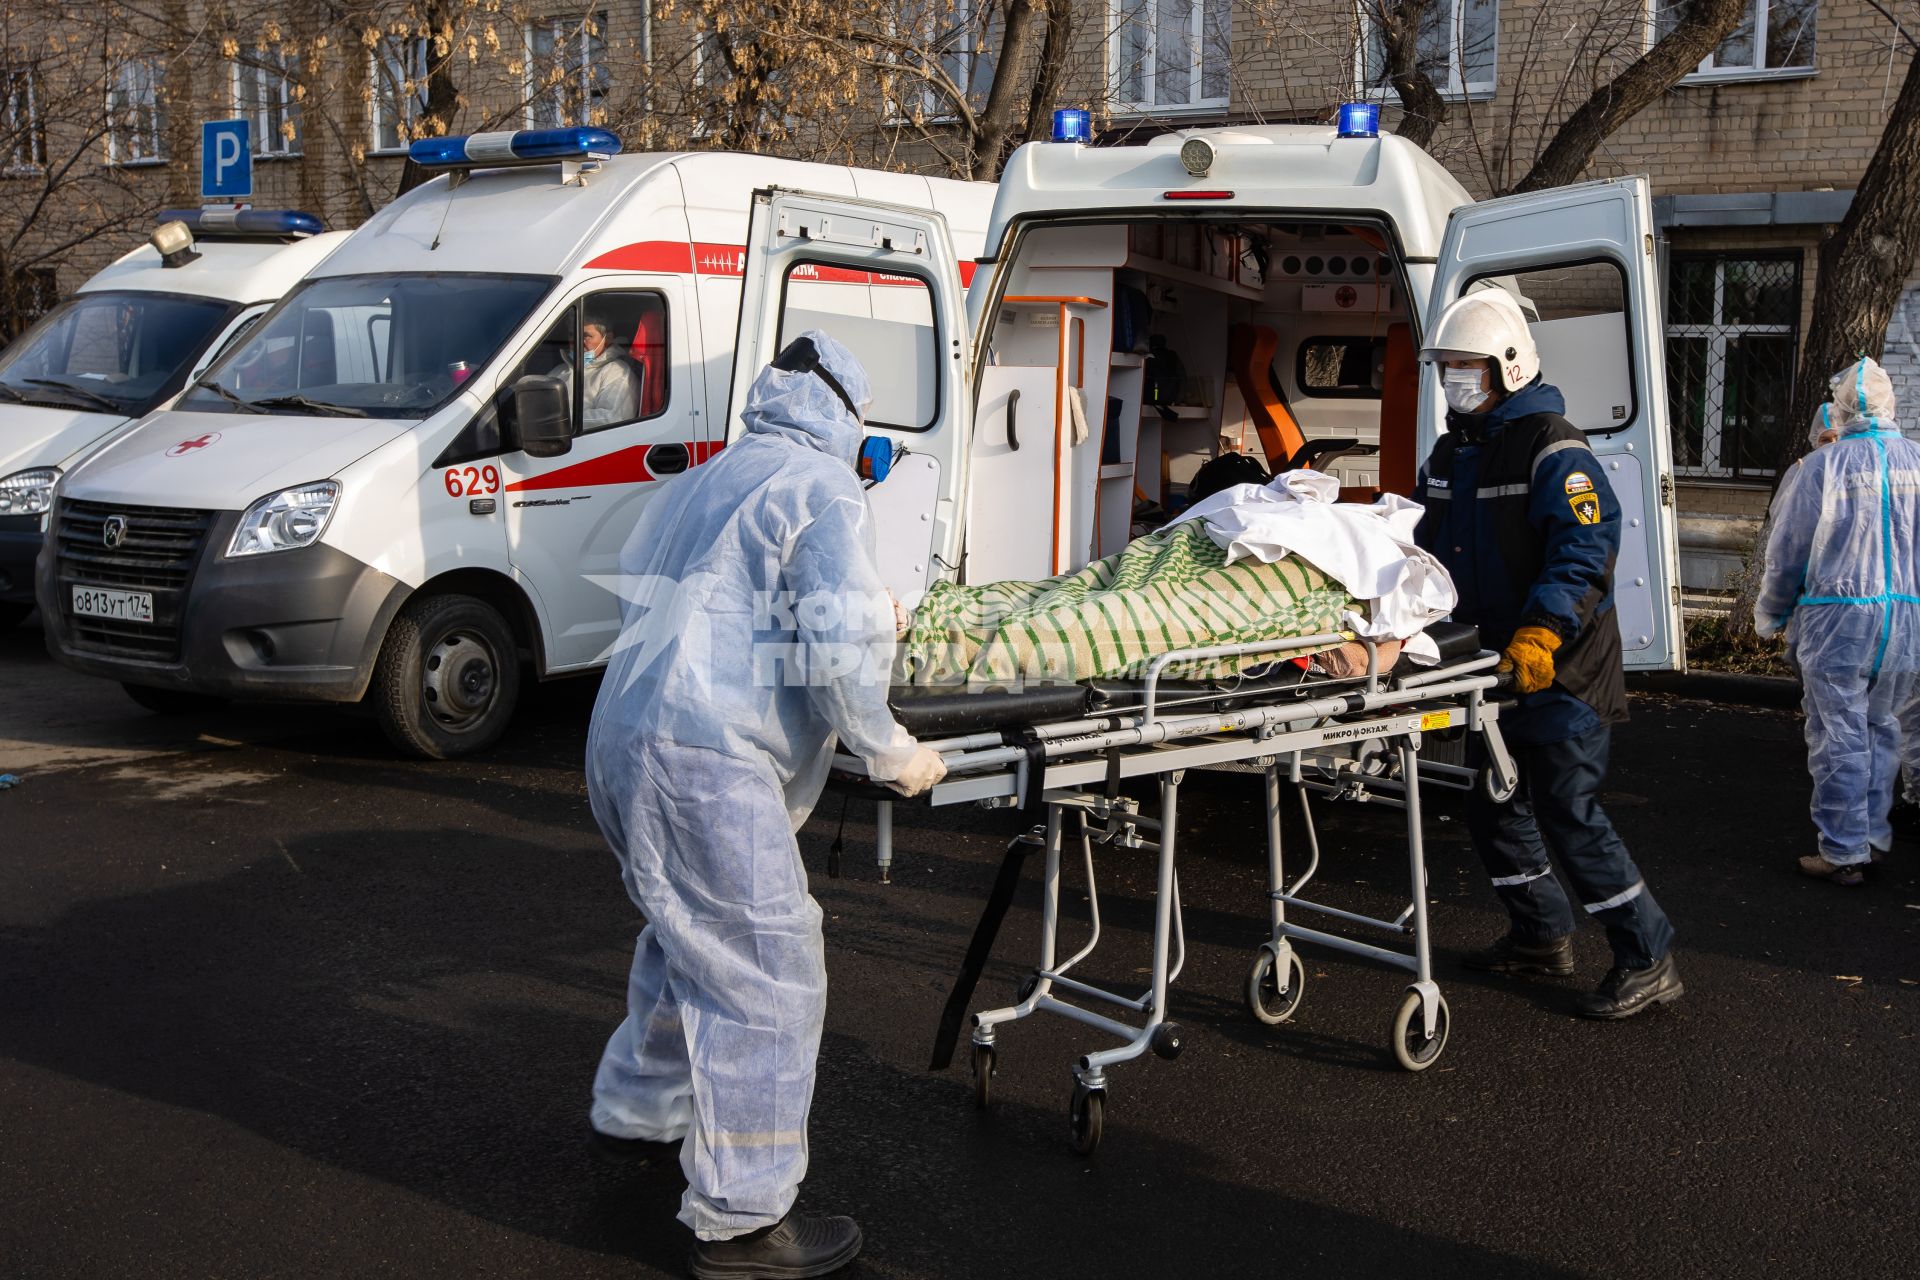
{"points": [[465, 482]]}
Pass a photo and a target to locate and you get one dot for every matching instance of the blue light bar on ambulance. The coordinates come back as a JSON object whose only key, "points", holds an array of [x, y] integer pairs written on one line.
{"points": [[523, 146], [1073, 124], [1359, 119], [215, 223]]}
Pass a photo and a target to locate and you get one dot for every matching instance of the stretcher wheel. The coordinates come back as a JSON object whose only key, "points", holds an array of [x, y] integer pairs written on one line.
{"points": [[1264, 997], [983, 1076], [1166, 1040], [1410, 1044], [1088, 1114]]}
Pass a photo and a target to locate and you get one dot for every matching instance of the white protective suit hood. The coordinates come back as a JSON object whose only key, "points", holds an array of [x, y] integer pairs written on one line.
{"points": [[802, 406], [1862, 398]]}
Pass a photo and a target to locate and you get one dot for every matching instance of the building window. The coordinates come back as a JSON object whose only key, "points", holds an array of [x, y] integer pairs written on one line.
{"points": [[1775, 37], [266, 91], [398, 69], [1458, 49], [961, 38], [25, 131], [567, 74], [136, 132], [1170, 55], [1733, 331]]}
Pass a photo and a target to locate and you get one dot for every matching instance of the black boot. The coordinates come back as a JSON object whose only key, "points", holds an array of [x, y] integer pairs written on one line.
{"points": [[1554, 959], [632, 1153], [797, 1246], [1625, 992]]}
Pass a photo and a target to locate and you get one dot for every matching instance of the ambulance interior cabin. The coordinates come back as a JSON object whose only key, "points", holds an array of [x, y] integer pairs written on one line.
{"points": [[1290, 341]]}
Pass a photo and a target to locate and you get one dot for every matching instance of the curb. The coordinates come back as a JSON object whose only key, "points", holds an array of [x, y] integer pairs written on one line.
{"points": [[1720, 686]]}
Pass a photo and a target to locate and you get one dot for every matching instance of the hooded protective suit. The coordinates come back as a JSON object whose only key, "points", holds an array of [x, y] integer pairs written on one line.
{"points": [[756, 629], [1843, 579]]}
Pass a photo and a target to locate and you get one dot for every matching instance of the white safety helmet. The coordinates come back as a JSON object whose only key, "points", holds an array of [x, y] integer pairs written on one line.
{"points": [[1487, 323]]}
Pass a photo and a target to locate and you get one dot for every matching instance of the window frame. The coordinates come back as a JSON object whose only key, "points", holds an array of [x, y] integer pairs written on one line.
{"points": [[1121, 16], [1456, 88], [271, 68], [926, 281], [13, 79], [575, 311], [1710, 73], [1635, 405], [568, 28], [1714, 468], [155, 133], [1377, 342], [417, 50]]}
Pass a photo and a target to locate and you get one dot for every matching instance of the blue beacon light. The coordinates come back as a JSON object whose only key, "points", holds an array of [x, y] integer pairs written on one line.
{"points": [[217, 221], [1073, 124], [523, 146], [1359, 120]]}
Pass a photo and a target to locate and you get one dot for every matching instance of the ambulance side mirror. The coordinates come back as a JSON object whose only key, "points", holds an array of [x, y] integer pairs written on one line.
{"points": [[543, 416]]}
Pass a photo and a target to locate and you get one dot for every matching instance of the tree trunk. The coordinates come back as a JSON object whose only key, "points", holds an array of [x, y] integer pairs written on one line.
{"points": [[1863, 270], [1423, 108], [998, 125], [1045, 90], [1700, 30], [443, 95]]}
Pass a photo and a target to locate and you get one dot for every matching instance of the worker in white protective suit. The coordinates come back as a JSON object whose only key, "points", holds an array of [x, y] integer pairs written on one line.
{"points": [[610, 391], [1843, 580], [756, 630]]}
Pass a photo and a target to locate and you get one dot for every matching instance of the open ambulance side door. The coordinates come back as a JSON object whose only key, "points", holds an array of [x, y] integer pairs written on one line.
{"points": [[1582, 261], [884, 280]]}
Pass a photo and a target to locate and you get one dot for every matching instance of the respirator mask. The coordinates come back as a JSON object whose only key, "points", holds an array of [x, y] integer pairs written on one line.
{"points": [[877, 453], [1463, 390]]}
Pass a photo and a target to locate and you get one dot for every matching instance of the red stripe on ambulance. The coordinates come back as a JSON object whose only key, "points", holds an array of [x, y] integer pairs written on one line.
{"points": [[622, 466]]}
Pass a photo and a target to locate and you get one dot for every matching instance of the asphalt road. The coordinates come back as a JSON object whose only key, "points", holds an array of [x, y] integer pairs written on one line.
{"points": [[276, 1003]]}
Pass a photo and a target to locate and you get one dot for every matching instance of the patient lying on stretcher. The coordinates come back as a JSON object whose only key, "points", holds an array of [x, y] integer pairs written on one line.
{"points": [[1254, 564]]}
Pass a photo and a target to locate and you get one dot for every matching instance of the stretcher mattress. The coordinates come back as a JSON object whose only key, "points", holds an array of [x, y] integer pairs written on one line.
{"points": [[934, 712]]}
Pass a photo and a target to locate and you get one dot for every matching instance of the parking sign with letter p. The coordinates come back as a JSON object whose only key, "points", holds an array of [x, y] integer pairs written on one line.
{"points": [[226, 159]]}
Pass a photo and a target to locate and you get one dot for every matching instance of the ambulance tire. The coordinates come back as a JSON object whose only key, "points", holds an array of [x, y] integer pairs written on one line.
{"points": [[172, 702], [12, 615], [447, 679]]}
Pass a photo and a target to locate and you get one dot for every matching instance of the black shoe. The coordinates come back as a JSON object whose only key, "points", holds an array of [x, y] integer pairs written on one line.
{"points": [[631, 1153], [1625, 992], [798, 1245], [1554, 959]]}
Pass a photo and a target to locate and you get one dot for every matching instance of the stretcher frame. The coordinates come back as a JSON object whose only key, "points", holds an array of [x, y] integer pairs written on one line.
{"points": [[1355, 740]]}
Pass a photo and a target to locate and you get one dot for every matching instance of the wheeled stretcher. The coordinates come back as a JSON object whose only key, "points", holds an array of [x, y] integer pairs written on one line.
{"points": [[1070, 748]]}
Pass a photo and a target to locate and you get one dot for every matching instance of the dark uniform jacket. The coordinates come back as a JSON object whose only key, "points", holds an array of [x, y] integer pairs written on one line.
{"points": [[1520, 512]]}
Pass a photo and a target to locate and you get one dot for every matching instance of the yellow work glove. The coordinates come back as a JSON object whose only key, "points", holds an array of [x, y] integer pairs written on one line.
{"points": [[1530, 658]]}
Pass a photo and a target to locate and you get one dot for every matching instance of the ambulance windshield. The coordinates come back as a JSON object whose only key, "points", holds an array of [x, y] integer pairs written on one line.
{"points": [[386, 346], [118, 353]]}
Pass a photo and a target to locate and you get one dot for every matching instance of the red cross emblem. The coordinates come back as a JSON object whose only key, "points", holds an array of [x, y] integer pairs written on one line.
{"points": [[1345, 296], [188, 446]]}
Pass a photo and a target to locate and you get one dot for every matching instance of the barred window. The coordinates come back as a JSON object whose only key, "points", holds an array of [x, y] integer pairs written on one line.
{"points": [[1733, 332]]}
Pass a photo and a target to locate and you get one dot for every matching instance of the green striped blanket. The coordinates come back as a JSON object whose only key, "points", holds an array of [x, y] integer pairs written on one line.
{"points": [[1170, 590]]}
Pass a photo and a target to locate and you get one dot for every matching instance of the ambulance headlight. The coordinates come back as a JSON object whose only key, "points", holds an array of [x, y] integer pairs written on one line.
{"points": [[28, 493], [285, 520]]}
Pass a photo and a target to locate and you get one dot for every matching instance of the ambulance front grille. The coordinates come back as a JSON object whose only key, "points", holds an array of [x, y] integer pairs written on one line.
{"points": [[157, 553]]}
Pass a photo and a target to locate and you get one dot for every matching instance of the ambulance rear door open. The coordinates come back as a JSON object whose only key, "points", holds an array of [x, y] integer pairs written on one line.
{"points": [[884, 280], [1582, 260]]}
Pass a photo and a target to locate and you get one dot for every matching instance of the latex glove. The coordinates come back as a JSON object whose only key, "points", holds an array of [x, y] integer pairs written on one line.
{"points": [[1530, 658], [922, 772], [902, 620]]}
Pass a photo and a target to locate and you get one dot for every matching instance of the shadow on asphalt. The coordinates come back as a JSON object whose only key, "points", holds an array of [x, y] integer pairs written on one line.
{"points": [[431, 1022]]}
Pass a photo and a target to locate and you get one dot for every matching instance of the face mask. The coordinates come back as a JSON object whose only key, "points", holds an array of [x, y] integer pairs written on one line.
{"points": [[1462, 388], [590, 356]]}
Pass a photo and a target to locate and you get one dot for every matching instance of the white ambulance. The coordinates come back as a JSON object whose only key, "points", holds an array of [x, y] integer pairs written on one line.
{"points": [[124, 345], [1143, 309], [350, 503]]}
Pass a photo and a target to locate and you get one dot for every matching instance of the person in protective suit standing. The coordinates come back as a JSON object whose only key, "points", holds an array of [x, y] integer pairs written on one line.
{"points": [[1520, 512], [1843, 580], [756, 631]]}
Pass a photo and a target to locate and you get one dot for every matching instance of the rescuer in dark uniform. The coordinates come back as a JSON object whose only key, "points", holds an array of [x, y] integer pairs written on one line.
{"points": [[1521, 514]]}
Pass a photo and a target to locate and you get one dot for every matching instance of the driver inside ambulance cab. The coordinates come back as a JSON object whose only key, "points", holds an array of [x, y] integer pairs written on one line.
{"points": [[610, 392]]}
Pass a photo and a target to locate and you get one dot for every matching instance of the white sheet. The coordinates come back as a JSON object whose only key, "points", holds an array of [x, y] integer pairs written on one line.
{"points": [[1369, 550]]}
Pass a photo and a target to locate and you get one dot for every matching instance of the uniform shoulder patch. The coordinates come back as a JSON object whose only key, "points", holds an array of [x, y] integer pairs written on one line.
{"points": [[1578, 482], [1586, 507]]}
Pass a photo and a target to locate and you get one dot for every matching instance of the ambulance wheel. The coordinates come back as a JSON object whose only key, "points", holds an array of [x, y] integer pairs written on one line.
{"points": [[1411, 1047], [1265, 999], [447, 678], [983, 1076], [172, 702], [1088, 1113], [12, 615]]}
